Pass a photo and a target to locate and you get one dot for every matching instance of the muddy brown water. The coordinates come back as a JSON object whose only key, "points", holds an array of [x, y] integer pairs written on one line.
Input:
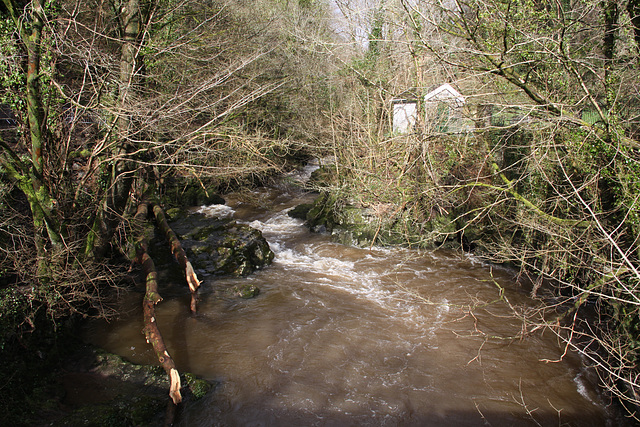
{"points": [[344, 336]]}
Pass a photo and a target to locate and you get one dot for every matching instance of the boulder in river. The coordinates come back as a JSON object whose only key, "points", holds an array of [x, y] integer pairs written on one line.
{"points": [[245, 291], [222, 246], [102, 389]]}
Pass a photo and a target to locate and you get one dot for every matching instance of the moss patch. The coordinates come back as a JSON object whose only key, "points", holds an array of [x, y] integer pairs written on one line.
{"points": [[198, 387]]}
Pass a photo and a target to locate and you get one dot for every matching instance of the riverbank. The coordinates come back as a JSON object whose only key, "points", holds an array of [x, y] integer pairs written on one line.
{"points": [[99, 388], [92, 387]]}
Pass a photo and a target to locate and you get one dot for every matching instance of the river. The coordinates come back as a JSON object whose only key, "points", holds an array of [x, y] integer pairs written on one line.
{"points": [[345, 336]]}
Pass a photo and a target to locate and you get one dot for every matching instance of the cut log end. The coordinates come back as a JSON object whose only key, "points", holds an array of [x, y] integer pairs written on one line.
{"points": [[192, 278], [174, 390]]}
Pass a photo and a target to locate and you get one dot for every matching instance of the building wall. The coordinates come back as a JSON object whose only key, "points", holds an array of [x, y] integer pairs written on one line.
{"points": [[404, 116]]}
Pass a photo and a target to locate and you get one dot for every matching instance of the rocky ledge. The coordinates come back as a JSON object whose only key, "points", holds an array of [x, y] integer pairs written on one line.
{"points": [[97, 388]]}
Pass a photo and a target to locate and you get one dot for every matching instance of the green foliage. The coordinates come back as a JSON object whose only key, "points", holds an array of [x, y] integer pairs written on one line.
{"points": [[12, 72], [627, 323], [375, 38], [12, 77], [371, 68]]}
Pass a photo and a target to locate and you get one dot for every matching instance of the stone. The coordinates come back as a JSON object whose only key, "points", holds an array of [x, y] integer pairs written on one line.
{"points": [[222, 246], [246, 291]]}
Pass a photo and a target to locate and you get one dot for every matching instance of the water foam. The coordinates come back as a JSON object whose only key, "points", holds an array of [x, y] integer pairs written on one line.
{"points": [[353, 276], [582, 388], [279, 224], [216, 211]]}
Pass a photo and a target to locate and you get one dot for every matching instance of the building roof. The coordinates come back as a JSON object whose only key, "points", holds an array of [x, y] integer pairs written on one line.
{"points": [[445, 93], [408, 96]]}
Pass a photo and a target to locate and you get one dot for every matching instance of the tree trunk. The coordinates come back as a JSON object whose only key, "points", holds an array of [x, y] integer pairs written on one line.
{"points": [[121, 170], [180, 256], [130, 24], [151, 298], [30, 178], [609, 47], [633, 7]]}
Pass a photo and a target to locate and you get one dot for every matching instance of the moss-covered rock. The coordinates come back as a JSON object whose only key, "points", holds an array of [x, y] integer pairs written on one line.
{"points": [[203, 233], [103, 389], [323, 176], [321, 215], [300, 211], [197, 386], [245, 291], [173, 214], [384, 226], [222, 246]]}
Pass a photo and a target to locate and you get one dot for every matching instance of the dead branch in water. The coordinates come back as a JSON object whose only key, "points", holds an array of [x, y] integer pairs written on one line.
{"points": [[179, 254], [151, 298]]}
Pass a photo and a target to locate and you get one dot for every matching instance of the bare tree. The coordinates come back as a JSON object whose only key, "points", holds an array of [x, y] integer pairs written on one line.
{"points": [[547, 179], [111, 96]]}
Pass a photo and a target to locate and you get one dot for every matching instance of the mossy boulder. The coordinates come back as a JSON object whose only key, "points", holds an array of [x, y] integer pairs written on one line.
{"points": [[222, 246], [197, 386], [381, 225], [323, 176], [103, 389], [245, 291], [300, 211], [203, 233], [321, 215], [173, 214]]}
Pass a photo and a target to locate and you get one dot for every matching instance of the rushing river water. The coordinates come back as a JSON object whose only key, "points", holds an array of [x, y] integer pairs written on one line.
{"points": [[343, 336]]}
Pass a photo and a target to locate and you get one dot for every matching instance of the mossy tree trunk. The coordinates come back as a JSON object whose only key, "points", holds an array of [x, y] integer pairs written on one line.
{"points": [[633, 7], [29, 176], [131, 44], [122, 171]]}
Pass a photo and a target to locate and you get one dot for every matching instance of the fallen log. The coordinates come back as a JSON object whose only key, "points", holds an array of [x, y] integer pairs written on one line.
{"points": [[151, 298], [179, 255]]}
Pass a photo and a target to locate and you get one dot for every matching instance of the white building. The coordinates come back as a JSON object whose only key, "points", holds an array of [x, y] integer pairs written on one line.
{"points": [[442, 109], [405, 113], [445, 93]]}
